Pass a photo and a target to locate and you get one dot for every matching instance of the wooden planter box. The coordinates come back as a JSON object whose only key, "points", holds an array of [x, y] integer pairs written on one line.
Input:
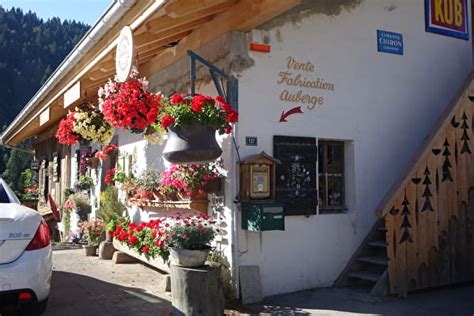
{"points": [[157, 263], [200, 206]]}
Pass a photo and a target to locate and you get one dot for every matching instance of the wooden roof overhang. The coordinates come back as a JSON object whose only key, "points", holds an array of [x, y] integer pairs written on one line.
{"points": [[163, 32]]}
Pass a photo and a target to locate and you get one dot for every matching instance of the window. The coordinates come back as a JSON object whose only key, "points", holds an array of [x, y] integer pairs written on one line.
{"points": [[331, 176], [303, 160]]}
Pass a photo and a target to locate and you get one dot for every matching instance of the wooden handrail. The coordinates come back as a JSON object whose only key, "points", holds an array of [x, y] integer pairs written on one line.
{"points": [[422, 154]]}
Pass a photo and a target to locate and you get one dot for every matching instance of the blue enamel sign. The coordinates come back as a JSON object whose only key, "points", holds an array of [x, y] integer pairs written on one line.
{"points": [[389, 42]]}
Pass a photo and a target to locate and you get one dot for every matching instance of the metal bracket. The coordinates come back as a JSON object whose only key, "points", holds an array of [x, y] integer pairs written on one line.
{"points": [[230, 93]]}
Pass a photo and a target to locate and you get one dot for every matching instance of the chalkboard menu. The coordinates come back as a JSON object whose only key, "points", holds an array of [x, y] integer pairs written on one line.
{"points": [[296, 175]]}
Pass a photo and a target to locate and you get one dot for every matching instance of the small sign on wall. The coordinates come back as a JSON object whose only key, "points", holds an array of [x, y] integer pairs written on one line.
{"points": [[250, 141], [447, 17], [389, 42]]}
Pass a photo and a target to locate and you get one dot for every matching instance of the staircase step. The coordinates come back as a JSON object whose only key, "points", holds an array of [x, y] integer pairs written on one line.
{"points": [[373, 259], [364, 275], [378, 243]]}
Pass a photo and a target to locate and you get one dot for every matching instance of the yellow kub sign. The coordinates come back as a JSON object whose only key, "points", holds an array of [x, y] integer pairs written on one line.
{"points": [[447, 17]]}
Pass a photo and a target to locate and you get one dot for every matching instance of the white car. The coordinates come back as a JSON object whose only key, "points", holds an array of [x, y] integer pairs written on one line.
{"points": [[25, 257]]}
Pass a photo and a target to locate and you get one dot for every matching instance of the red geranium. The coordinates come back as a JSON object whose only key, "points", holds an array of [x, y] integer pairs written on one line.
{"points": [[198, 110], [109, 177], [176, 99], [129, 104], [167, 120], [65, 133]]}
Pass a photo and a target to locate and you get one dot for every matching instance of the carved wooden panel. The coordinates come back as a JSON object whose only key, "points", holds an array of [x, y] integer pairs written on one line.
{"points": [[430, 221]]}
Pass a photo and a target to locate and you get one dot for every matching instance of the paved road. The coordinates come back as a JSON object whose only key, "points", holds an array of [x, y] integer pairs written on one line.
{"points": [[449, 301], [88, 286]]}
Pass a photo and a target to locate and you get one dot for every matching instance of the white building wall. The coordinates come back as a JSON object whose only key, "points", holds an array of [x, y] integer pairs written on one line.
{"points": [[384, 104]]}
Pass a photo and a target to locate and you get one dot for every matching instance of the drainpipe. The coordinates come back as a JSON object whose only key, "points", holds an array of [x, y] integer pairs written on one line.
{"points": [[113, 13]]}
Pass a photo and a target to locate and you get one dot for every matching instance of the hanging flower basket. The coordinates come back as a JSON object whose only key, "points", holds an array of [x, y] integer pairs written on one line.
{"points": [[84, 125], [191, 124], [191, 144], [129, 104]]}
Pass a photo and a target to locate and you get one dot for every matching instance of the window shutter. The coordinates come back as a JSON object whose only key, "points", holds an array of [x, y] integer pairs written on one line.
{"points": [[296, 175]]}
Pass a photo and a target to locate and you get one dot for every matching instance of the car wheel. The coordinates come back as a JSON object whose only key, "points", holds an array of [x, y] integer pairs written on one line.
{"points": [[34, 309]]}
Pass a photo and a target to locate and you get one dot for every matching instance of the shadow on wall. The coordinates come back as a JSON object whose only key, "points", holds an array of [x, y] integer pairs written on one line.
{"points": [[75, 294], [153, 156]]}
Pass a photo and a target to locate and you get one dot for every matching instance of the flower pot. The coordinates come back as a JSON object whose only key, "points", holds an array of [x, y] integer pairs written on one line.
{"points": [[93, 162], [188, 258], [191, 144], [90, 250]]}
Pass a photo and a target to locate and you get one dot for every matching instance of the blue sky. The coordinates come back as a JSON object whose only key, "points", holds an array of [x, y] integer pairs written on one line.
{"points": [[87, 11]]}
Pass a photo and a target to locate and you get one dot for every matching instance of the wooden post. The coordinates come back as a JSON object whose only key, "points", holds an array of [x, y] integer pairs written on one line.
{"points": [[196, 291]]}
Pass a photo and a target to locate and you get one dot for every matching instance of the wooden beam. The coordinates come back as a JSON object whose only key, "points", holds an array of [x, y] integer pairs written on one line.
{"points": [[165, 23], [185, 7], [146, 39], [235, 18]]}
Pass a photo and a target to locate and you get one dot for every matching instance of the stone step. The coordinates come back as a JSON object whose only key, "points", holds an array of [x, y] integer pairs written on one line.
{"points": [[378, 243], [364, 275], [374, 260]]}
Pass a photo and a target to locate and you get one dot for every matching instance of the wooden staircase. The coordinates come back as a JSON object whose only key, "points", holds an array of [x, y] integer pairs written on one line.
{"points": [[367, 269], [424, 236]]}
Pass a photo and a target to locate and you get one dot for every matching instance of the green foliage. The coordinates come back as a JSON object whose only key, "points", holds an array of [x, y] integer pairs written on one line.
{"points": [[225, 275], [190, 237], [82, 204], [110, 208], [149, 180], [27, 177], [30, 49], [67, 192], [67, 222], [85, 182], [16, 162]]}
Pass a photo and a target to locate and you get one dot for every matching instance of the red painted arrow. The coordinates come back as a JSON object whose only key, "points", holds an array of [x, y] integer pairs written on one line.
{"points": [[294, 110]]}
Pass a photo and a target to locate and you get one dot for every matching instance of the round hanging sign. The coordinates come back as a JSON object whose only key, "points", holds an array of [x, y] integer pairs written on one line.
{"points": [[125, 54]]}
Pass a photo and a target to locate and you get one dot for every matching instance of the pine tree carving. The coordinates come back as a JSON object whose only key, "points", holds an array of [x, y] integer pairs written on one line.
{"points": [[406, 222], [447, 163], [465, 137], [427, 192]]}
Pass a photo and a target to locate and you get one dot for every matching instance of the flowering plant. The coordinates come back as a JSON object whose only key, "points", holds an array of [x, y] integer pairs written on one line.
{"points": [[198, 110], [129, 104], [68, 205], [190, 179], [91, 125], [109, 176], [106, 151], [153, 238], [65, 133], [84, 160], [93, 231], [146, 185], [31, 193]]}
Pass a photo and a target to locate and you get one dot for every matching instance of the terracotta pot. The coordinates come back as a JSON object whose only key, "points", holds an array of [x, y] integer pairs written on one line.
{"points": [[188, 258], [90, 250], [191, 144]]}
